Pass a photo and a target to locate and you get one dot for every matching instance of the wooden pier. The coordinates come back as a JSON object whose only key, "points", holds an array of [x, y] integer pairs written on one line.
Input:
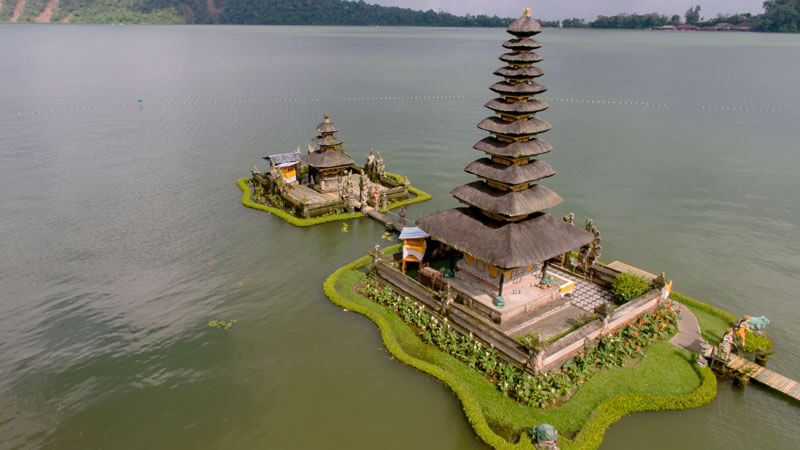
{"points": [[764, 376], [391, 223]]}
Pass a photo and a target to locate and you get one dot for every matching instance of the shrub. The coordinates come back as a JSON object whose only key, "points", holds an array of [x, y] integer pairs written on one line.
{"points": [[628, 286]]}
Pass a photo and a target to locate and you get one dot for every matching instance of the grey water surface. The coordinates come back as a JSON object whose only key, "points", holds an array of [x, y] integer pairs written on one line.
{"points": [[122, 233]]}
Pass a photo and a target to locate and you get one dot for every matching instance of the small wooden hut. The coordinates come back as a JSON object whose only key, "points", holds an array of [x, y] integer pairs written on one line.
{"points": [[504, 232], [414, 245], [289, 166], [328, 163]]}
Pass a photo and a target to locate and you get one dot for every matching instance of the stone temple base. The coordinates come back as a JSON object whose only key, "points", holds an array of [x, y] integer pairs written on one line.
{"points": [[521, 294]]}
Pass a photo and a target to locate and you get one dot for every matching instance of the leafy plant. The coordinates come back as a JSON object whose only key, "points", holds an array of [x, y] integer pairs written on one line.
{"points": [[221, 324], [628, 286]]}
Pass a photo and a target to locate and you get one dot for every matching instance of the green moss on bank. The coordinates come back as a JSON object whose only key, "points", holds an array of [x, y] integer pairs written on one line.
{"points": [[714, 321], [421, 196], [664, 379]]}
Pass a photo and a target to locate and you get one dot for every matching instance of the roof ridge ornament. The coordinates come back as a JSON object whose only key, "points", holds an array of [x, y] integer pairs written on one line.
{"points": [[327, 118], [527, 12]]}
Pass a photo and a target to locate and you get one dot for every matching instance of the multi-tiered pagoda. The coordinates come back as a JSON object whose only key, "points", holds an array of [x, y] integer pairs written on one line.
{"points": [[504, 232], [327, 164]]}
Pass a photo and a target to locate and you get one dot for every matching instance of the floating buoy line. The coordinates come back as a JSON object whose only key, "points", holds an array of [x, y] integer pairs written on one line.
{"points": [[142, 105]]}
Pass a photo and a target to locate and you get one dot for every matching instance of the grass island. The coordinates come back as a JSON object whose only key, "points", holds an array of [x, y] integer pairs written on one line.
{"points": [[326, 185]]}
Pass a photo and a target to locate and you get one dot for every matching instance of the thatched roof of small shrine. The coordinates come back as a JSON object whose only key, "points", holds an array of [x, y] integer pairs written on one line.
{"points": [[321, 140], [513, 174], [326, 126], [327, 160], [507, 203], [515, 128], [504, 244], [495, 146]]}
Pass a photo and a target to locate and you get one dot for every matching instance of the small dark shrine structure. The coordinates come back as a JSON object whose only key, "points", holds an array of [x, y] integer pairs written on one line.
{"points": [[326, 180]]}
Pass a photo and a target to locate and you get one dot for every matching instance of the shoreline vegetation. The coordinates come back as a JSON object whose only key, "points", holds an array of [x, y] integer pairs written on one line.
{"points": [[665, 378], [778, 15], [243, 183]]}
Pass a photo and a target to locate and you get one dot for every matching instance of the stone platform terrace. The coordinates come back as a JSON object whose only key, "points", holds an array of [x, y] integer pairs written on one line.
{"points": [[518, 302]]}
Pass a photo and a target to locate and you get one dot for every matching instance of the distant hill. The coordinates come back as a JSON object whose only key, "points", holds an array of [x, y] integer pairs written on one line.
{"points": [[264, 12]]}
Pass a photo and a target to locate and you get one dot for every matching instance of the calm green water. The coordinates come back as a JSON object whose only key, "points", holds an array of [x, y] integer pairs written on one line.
{"points": [[122, 235]]}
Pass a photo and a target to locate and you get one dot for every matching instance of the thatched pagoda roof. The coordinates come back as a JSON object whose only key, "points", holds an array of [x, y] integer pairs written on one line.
{"points": [[513, 174], [328, 160], [322, 140], [525, 87], [520, 58], [504, 244], [522, 72], [326, 126], [495, 146], [532, 106], [522, 44], [507, 203], [525, 25], [497, 125]]}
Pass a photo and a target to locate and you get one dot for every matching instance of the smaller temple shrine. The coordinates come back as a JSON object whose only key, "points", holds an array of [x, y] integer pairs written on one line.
{"points": [[326, 180], [327, 165]]}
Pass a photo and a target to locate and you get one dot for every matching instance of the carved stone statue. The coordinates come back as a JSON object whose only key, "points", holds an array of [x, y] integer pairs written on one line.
{"points": [[369, 166], [381, 167]]}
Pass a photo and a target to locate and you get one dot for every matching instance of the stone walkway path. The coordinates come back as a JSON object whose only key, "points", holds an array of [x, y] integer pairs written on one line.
{"points": [[688, 337], [586, 296]]}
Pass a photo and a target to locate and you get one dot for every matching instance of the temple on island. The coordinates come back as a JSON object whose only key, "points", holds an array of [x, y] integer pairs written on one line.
{"points": [[504, 233], [326, 180], [501, 268]]}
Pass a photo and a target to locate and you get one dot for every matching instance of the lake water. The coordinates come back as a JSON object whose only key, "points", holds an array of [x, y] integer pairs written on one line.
{"points": [[122, 233]]}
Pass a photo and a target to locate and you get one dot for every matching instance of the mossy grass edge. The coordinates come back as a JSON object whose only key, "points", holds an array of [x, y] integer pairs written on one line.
{"points": [[396, 334], [714, 321], [247, 201]]}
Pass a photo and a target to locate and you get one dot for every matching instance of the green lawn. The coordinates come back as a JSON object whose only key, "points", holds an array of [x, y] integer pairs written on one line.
{"points": [[665, 378], [713, 321]]}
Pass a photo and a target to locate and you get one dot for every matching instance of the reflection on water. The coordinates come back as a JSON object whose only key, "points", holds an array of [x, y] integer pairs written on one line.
{"points": [[123, 235]]}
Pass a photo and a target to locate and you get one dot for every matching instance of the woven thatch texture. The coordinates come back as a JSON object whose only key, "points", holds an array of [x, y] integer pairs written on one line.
{"points": [[326, 160], [507, 203], [494, 146], [505, 245], [515, 128], [523, 88], [522, 44], [514, 174]]}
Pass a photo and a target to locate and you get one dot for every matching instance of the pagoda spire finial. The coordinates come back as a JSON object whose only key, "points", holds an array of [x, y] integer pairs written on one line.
{"points": [[527, 12], [327, 118]]}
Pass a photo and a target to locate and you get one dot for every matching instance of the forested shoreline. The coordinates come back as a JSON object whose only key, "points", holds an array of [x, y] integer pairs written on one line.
{"points": [[778, 16]]}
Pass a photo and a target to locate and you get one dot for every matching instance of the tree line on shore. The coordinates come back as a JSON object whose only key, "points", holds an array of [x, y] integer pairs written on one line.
{"points": [[778, 16]]}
